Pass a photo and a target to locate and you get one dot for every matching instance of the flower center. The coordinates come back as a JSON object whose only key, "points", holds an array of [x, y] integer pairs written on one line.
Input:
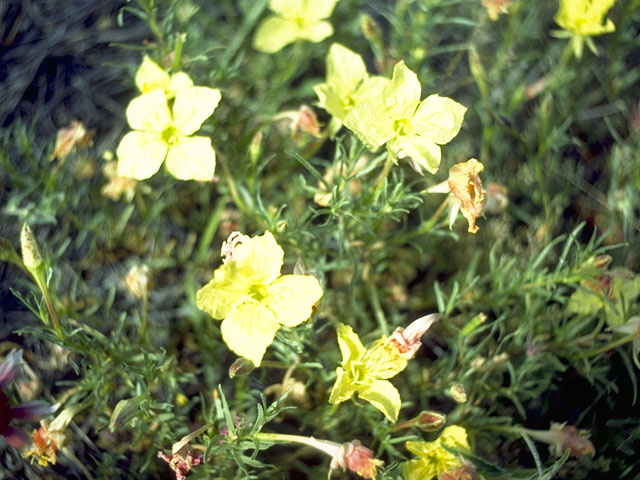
{"points": [[5, 412], [170, 135], [401, 126], [258, 291]]}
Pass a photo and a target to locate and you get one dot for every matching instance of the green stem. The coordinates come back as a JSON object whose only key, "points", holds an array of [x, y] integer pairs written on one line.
{"points": [[616, 343], [388, 163], [377, 308]]}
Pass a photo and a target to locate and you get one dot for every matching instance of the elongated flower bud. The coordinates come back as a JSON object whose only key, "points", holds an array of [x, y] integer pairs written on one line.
{"points": [[31, 256]]}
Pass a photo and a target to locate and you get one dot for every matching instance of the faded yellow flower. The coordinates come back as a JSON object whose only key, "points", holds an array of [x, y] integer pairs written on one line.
{"points": [[465, 192]]}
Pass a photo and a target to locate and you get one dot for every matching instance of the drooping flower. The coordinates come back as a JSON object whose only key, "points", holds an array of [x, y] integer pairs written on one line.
{"points": [[347, 456], [434, 459], [161, 133], [366, 372], [407, 340], [294, 20], [151, 76], [562, 437], [252, 299], [410, 128], [52, 436], [182, 461], [9, 369], [582, 19], [465, 192], [348, 84]]}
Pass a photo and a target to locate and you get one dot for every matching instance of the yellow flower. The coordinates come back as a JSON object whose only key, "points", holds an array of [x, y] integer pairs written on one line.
{"points": [[161, 133], [366, 372], [348, 84], [411, 128], [151, 76], [434, 459], [251, 297], [466, 192], [294, 20], [582, 19]]}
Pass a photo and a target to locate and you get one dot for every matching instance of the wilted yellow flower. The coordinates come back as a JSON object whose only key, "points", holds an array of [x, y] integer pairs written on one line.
{"points": [[434, 459], [465, 192], [366, 372], [409, 127], [582, 19], [251, 297], [161, 133], [348, 84], [69, 139], [496, 7], [294, 20]]}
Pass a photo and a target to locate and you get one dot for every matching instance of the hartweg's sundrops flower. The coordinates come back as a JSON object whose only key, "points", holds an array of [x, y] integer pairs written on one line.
{"points": [[366, 371], [582, 19], [161, 133], [410, 128], [251, 297], [294, 20], [348, 84], [434, 459], [465, 191]]}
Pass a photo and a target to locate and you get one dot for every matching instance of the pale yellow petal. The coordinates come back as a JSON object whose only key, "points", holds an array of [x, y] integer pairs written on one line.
{"points": [[371, 123], [149, 112], [345, 70], [423, 153], [223, 292], [151, 76], [315, 10], [140, 155], [192, 158], [259, 259], [273, 34], [179, 81], [316, 32], [350, 345], [292, 297], [384, 396], [343, 389], [193, 106], [438, 118], [287, 8], [249, 329], [402, 94]]}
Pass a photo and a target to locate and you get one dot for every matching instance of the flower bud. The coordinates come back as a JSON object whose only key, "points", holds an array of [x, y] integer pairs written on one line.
{"points": [[240, 368], [458, 393], [430, 421], [31, 256], [370, 28]]}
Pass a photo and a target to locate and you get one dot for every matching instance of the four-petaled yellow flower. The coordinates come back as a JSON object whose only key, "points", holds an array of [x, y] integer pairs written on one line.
{"points": [[411, 128], [294, 20], [366, 371], [251, 297], [466, 192], [348, 84], [161, 133], [434, 459], [582, 19]]}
